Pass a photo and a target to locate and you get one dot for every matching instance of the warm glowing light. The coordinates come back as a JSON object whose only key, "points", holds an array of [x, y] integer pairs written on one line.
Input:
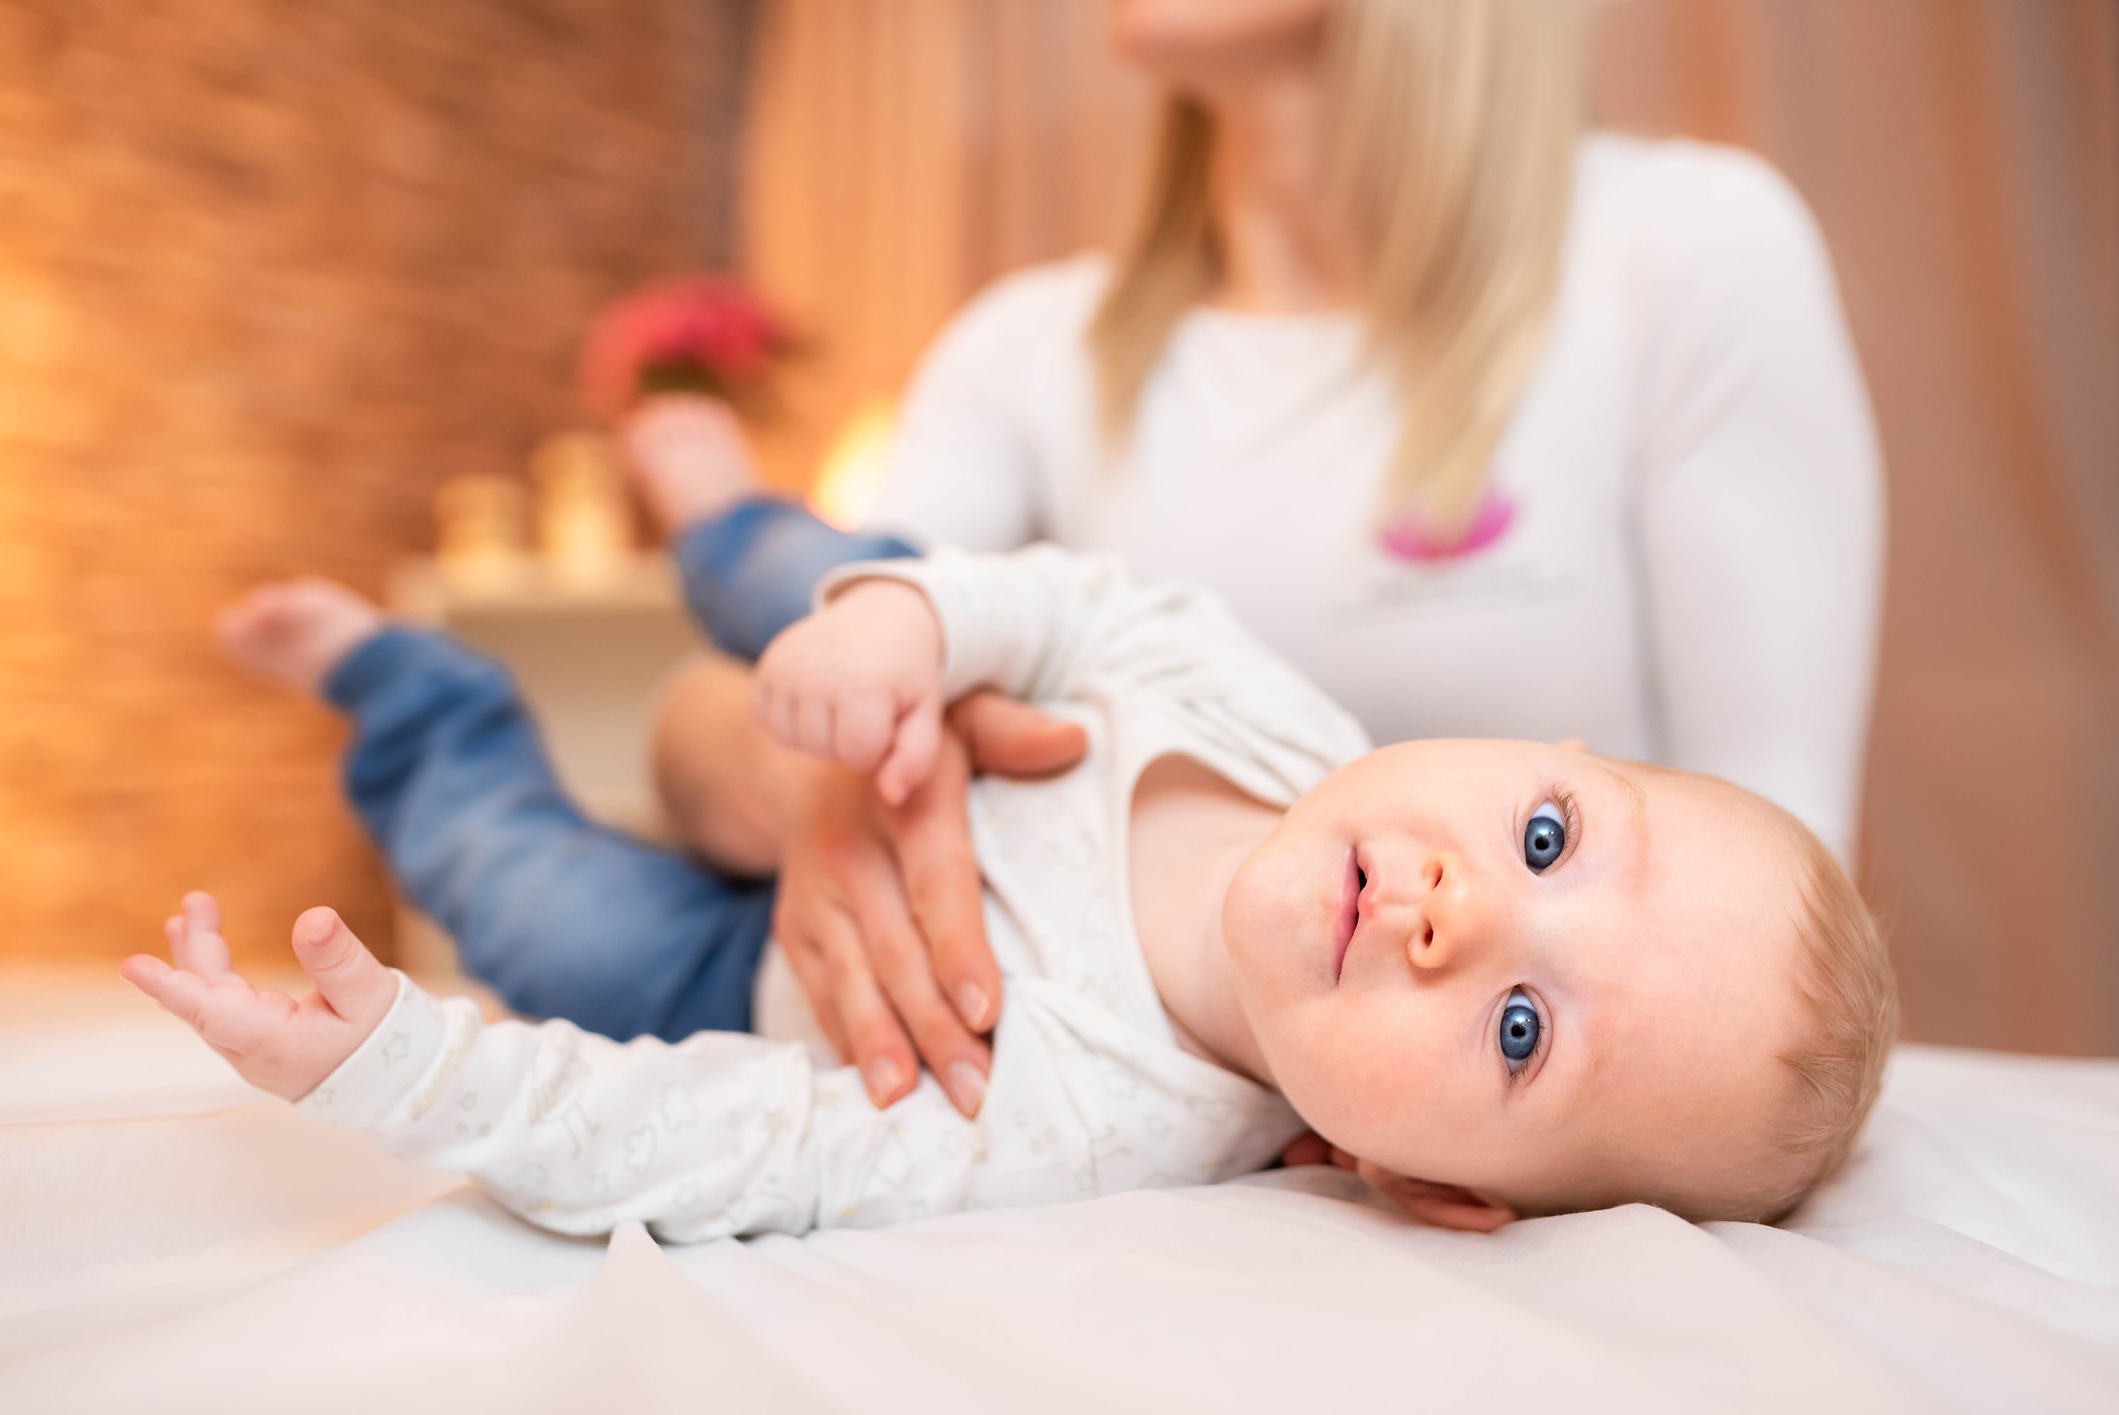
{"points": [[852, 475]]}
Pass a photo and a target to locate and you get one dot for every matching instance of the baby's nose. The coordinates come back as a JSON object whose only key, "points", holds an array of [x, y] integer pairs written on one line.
{"points": [[1446, 923]]}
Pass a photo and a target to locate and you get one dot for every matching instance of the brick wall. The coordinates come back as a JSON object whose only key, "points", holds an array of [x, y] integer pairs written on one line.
{"points": [[268, 272]]}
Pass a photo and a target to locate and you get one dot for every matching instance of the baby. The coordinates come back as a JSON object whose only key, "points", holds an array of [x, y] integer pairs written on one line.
{"points": [[1502, 978]]}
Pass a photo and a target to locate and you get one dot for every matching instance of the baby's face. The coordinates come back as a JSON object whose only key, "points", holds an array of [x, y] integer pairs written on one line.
{"points": [[1523, 969]]}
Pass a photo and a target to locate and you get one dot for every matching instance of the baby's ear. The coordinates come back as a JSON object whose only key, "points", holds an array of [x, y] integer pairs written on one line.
{"points": [[1438, 1205]]}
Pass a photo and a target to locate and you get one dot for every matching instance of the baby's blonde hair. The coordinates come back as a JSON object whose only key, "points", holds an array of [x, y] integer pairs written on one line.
{"points": [[1834, 1064], [1850, 996]]}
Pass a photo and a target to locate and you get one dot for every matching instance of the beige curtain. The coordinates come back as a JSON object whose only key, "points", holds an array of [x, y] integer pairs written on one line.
{"points": [[1963, 156], [903, 153]]}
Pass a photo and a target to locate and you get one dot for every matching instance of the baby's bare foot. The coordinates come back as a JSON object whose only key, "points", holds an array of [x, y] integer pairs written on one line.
{"points": [[688, 456], [294, 633]]}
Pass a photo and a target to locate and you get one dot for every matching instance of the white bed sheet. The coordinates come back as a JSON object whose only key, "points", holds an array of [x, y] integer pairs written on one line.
{"points": [[170, 1242]]}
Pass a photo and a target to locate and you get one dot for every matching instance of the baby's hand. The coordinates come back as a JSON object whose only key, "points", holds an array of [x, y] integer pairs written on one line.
{"points": [[273, 1042], [860, 681]]}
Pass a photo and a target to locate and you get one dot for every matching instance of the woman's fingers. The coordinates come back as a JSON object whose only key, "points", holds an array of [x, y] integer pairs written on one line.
{"points": [[932, 835], [817, 931], [812, 972], [844, 919], [898, 957], [1010, 738], [878, 1042], [352, 982]]}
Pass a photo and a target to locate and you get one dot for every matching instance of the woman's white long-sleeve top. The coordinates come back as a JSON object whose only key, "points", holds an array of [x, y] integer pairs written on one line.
{"points": [[1090, 1093], [1693, 572]]}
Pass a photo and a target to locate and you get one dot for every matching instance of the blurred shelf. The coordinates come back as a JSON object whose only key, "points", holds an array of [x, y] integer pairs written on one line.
{"points": [[435, 592]]}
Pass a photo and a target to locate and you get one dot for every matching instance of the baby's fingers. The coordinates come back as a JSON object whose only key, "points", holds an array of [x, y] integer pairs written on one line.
{"points": [[350, 979], [911, 759], [774, 708], [814, 716], [157, 979], [864, 727], [198, 946], [226, 1017]]}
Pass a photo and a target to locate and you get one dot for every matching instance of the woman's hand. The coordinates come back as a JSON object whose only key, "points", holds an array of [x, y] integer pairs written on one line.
{"points": [[879, 906]]}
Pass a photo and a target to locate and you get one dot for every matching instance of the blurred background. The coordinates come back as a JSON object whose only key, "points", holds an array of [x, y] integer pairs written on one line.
{"points": [[272, 273]]}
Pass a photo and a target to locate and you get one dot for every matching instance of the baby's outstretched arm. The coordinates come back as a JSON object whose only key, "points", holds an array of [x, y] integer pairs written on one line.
{"points": [[273, 1042], [724, 1133]]}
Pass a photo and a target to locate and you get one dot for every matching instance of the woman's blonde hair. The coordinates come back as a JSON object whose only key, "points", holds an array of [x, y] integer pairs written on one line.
{"points": [[1454, 129]]}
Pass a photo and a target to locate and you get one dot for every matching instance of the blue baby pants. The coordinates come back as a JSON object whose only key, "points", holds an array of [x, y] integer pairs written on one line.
{"points": [[561, 916]]}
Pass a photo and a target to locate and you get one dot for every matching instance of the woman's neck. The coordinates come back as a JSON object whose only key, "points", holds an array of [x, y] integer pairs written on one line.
{"points": [[1282, 250], [1190, 831]]}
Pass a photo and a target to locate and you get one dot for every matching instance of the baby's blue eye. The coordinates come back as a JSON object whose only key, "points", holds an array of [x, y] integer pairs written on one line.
{"points": [[1544, 838], [1519, 1029]]}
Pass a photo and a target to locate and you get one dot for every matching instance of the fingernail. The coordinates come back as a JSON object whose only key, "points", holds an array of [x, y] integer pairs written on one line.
{"points": [[883, 1078], [971, 1005], [966, 1087]]}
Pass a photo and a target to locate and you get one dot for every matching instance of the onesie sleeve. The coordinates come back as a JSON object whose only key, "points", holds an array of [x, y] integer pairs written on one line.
{"points": [[722, 1134], [1037, 623], [1761, 511], [1046, 624]]}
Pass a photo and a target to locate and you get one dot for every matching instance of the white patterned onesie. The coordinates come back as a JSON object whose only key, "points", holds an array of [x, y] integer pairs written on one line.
{"points": [[727, 1133]]}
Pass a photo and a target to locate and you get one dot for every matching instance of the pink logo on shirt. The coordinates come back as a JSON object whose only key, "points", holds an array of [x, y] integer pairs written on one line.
{"points": [[1409, 540]]}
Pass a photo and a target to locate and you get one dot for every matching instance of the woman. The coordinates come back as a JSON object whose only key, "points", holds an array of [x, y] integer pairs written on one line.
{"points": [[1490, 427], [1386, 307]]}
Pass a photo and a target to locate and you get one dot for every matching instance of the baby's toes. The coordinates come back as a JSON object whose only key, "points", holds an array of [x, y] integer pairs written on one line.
{"points": [[252, 619]]}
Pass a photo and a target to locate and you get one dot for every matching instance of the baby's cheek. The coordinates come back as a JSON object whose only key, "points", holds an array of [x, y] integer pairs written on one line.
{"points": [[1351, 1086], [1262, 927]]}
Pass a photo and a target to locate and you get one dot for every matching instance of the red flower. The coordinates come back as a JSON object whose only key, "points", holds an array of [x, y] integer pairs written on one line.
{"points": [[707, 326]]}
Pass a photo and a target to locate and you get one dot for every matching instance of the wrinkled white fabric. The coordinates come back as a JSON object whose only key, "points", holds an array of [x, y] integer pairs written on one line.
{"points": [[1090, 1092], [1693, 574], [247, 1259]]}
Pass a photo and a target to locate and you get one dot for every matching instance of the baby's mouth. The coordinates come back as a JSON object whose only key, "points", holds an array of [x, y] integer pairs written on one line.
{"points": [[1349, 911]]}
